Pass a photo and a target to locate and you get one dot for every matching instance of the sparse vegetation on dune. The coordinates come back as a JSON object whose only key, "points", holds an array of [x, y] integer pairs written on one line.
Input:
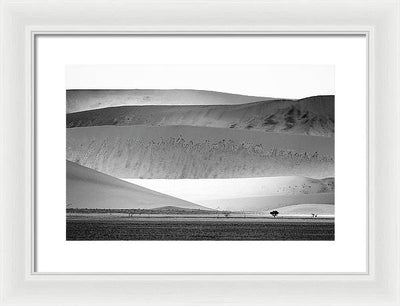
{"points": [[190, 152]]}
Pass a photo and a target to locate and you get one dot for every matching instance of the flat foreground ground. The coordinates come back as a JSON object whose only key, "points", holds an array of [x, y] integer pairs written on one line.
{"points": [[203, 228]]}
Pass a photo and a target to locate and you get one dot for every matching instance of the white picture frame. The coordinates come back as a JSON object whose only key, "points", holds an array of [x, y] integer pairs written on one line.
{"points": [[21, 21]]}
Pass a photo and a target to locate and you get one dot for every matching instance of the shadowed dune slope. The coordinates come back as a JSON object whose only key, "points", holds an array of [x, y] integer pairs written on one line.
{"points": [[178, 152], [86, 99], [268, 202], [87, 188], [309, 116]]}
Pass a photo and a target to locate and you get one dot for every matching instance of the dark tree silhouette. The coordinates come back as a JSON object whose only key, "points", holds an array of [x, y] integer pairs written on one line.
{"points": [[274, 213]]}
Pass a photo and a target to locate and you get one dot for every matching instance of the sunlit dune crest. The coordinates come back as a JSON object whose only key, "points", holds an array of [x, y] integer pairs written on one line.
{"points": [[87, 99], [307, 116]]}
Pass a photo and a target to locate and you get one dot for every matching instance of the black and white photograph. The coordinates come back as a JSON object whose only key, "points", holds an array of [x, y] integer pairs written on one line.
{"points": [[221, 162], [197, 152]]}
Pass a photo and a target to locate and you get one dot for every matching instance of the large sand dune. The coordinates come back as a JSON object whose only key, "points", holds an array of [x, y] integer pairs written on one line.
{"points": [[87, 99], [178, 152], [87, 188], [309, 116]]}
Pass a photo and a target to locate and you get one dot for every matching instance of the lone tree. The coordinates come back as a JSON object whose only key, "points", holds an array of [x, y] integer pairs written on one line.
{"points": [[274, 213]]}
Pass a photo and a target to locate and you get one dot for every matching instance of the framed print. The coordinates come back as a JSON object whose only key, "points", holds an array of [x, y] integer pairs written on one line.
{"points": [[200, 157]]}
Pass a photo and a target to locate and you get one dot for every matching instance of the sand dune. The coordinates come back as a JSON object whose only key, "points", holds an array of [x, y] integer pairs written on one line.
{"points": [[87, 188], [197, 190], [175, 148], [307, 209], [268, 202], [309, 116], [87, 99], [178, 152]]}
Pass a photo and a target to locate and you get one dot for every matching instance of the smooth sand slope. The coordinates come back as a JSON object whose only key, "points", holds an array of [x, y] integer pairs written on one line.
{"points": [[308, 116], [87, 99], [178, 152], [87, 188]]}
